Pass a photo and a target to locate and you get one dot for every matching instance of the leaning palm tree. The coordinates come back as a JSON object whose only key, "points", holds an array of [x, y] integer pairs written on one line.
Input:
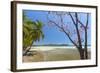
{"points": [[32, 32]]}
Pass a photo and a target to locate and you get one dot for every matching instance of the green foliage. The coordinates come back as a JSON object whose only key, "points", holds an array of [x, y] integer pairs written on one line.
{"points": [[32, 31]]}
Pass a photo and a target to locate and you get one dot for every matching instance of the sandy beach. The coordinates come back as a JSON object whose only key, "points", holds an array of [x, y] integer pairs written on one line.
{"points": [[55, 54]]}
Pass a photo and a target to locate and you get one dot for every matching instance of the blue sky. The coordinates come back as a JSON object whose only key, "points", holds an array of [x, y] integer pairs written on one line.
{"points": [[52, 33]]}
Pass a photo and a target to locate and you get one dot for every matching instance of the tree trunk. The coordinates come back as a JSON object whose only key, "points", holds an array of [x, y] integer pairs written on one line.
{"points": [[81, 52], [86, 50], [27, 50], [86, 53]]}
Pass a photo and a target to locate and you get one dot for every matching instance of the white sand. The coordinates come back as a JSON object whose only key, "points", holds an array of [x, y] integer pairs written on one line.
{"points": [[53, 53]]}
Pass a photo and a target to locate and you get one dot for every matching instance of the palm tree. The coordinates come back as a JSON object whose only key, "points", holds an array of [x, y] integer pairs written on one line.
{"points": [[32, 32]]}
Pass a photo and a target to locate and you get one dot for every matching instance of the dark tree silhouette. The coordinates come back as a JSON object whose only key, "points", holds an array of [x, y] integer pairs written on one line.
{"points": [[75, 33]]}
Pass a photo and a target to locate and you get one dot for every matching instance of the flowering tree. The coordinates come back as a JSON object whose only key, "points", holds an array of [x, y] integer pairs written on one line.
{"points": [[75, 30]]}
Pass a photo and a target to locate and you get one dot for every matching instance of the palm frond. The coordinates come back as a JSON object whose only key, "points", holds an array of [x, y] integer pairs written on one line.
{"points": [[32, 31]]}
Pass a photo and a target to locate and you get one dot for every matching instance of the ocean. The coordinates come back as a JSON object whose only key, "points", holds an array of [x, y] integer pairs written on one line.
{"points": [[47, 48]]}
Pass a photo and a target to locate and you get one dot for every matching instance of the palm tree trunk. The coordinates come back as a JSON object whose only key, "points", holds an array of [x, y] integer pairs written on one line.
{"points": [[27, 50]]}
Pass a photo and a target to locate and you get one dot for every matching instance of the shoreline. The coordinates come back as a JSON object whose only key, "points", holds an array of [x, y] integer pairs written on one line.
{"points": [[48, 48]]}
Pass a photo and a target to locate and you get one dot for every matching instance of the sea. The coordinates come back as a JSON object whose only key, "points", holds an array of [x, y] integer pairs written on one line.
{"points": [[47, 48]]}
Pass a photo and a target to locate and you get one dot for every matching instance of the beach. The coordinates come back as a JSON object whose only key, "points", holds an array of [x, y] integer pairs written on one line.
{"points": [[53, 53]]}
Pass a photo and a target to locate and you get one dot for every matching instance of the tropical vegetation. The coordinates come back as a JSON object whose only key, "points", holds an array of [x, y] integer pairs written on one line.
{"points": [[32, 32]]}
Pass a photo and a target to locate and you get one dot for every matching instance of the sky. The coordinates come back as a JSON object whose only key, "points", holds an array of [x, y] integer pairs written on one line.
{"points": [[52, 35]]}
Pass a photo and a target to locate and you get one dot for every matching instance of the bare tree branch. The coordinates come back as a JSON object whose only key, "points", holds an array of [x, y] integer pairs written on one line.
{"points": [[70, 38], [81, 23], [86, 53], [78, 34], [60, 27], [87, 20], [72, 18], [60, 24]]}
